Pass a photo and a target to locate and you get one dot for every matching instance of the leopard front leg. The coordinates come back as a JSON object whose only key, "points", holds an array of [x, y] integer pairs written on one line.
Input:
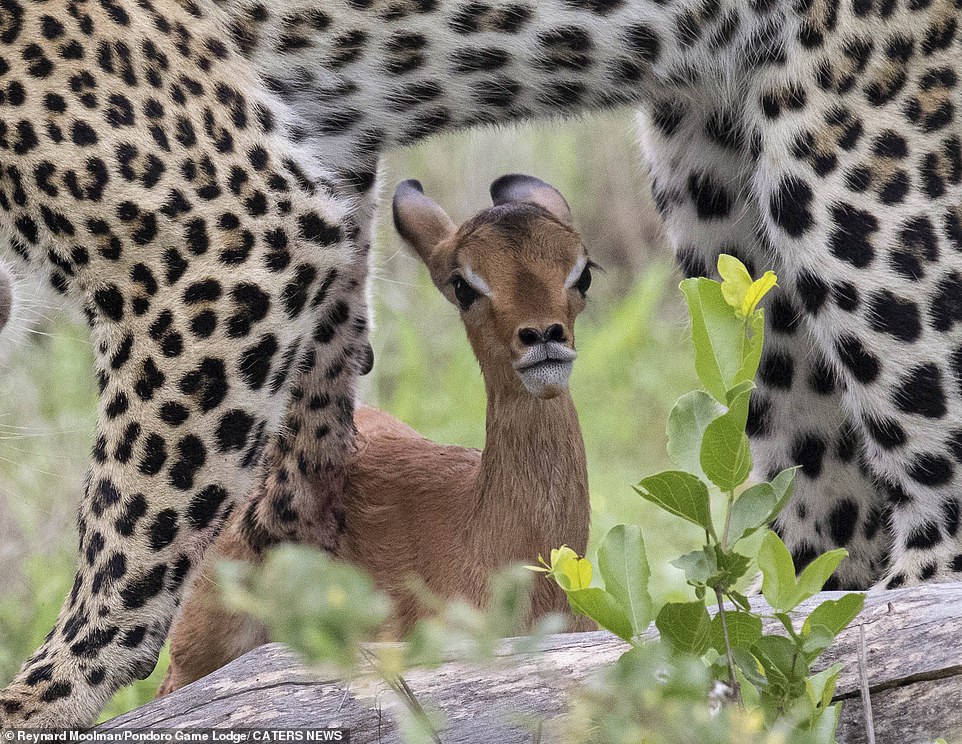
{"points": [[297, 495], [183, 420]]}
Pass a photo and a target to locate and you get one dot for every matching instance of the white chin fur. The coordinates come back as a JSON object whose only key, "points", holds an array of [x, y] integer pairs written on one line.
{"points": [[550, 376]]}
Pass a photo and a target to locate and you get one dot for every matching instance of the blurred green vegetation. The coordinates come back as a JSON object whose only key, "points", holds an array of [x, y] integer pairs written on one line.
{"points": [[634, 360]]}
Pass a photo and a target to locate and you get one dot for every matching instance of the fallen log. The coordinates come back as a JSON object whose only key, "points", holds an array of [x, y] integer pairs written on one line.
{"points": [[903, 653]]}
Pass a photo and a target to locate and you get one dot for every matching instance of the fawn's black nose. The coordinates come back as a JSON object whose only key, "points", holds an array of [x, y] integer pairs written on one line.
{"points": [[531, 336], [555, 332]]}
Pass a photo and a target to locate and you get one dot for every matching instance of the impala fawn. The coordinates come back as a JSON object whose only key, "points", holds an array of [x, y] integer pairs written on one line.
{"points": [[450, 516]]}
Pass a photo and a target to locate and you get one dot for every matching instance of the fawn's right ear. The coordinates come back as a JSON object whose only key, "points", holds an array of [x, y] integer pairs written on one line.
{"points": [[6, 298], [419, 219]]}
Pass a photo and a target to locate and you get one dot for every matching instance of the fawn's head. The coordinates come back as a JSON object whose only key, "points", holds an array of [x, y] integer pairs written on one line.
{"points": [[518, 272]]}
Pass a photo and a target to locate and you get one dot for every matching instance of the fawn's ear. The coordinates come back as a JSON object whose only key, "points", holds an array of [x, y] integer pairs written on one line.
{"points": [[517, 187], [6, 298], [419, 219]]}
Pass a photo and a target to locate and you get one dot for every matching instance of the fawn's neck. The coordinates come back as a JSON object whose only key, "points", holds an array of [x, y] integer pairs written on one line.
{"points": [[532, 485]]}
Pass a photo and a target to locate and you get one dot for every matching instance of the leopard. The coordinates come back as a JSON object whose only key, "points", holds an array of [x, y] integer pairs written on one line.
{"points": [[200, 176]]}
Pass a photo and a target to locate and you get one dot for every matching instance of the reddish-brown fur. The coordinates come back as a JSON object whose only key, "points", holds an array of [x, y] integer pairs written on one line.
{"points": [[450, 516]]}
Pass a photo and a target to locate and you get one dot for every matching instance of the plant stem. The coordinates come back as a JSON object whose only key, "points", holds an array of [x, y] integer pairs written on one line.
{"points": [[786, 696], [732, 679], [728, 519], [399, 685]]}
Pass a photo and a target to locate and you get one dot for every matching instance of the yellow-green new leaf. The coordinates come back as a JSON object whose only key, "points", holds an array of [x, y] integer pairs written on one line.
{"points": [[757, 291], [559, 555], [571, 572], [738, 289], [736, 281]]}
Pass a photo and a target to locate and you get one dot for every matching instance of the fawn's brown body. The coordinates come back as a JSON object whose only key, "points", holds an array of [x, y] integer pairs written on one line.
{"points": [[449, 516]]}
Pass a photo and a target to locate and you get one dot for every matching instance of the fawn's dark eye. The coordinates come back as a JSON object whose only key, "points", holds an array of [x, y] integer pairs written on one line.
{"points": [[464, 292], [584, 281]]}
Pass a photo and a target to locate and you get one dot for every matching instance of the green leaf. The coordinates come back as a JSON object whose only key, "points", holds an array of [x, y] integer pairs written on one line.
{"points": [[834, 614], [784, 668], [725, 454], [323, 608], [731, 567], [778, 573], [752, 350], [750, 668], [737, 403], [686, 626], [753, 509], [749, 688], [624, 567], [779, 585], [741, 600], [786, 620], [820, 687], [713, 567], [603, 608], [784, 486], [699, 566], [816, 642], [816, 573], [681, 494], [718, 335], [823, 728], [744, 630], [687, 422]]}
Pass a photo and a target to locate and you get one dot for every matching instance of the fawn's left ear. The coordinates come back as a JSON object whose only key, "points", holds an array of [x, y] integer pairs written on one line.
{"points": [[517, 187], [419, 219]]}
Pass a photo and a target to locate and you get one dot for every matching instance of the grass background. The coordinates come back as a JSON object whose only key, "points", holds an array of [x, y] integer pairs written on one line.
{"points": [[634, 360]]}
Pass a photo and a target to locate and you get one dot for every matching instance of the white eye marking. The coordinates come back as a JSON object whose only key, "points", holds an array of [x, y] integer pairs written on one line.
{"points": [[476, 282], [575, 273]]}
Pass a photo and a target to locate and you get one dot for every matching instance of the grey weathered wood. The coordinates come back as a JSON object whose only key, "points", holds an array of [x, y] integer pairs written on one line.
{"points": [[913, 664]]}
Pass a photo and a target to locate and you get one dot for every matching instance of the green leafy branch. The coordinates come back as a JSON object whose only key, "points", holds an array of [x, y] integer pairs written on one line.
{"points": [[768, 673]]}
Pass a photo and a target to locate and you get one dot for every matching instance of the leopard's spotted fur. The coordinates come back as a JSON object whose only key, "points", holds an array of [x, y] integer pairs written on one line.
{"points": [[200, 174]]}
